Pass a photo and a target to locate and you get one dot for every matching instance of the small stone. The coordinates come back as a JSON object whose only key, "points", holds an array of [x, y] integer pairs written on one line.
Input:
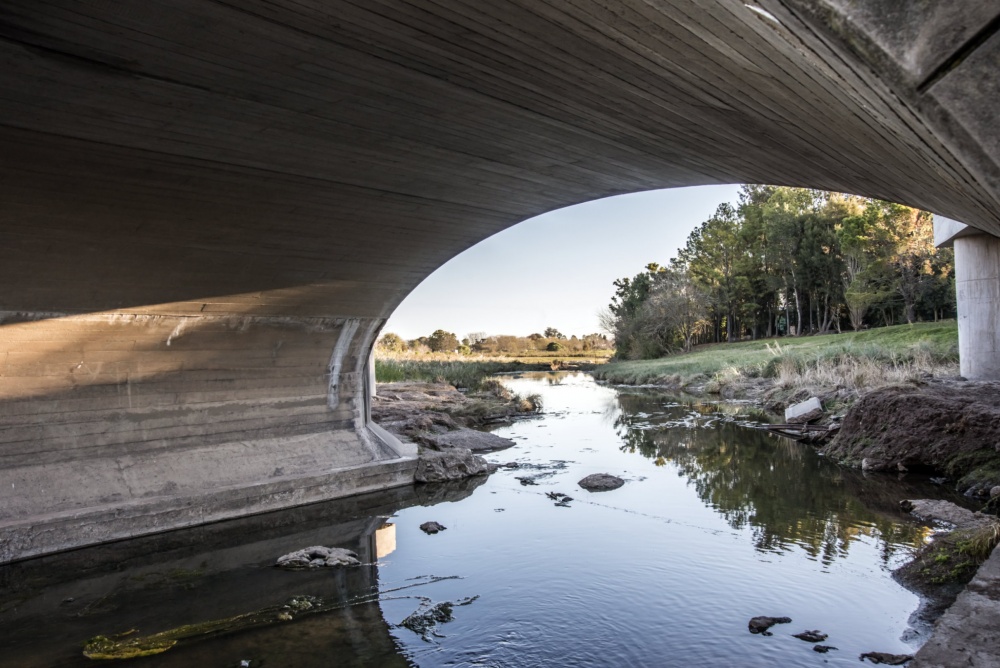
{"points": [[822, 649], [995, 492], [432, 527], [601, 482], [762, 624], [810, 636], [284, 616]]}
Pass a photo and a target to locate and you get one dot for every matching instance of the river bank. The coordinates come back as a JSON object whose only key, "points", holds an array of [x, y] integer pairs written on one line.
{"points": [[937, 593]]}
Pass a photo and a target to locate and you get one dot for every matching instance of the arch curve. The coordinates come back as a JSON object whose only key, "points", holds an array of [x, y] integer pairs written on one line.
{"points": [[209, 209]]}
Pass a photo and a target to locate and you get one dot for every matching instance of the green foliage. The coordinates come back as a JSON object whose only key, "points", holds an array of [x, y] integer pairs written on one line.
{"points": [[461, 374], [442, 341], [786, 260], [391, 343], [553, 346]]}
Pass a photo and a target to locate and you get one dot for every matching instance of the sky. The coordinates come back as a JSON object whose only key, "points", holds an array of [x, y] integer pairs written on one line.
{"points": [[557, 269]]}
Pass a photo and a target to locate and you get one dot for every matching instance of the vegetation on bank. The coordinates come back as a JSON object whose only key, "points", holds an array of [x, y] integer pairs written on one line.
{"points": [[463, 374], [785, 261], [851, 360], [480, 344]]}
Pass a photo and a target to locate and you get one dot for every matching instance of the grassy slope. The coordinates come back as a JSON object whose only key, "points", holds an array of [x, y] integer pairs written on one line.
{"points": [[925, 347]]}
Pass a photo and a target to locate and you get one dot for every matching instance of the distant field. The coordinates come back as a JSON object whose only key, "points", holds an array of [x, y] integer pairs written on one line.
{"points": [[859, 356]]}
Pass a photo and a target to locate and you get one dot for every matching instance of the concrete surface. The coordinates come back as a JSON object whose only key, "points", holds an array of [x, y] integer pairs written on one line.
{"points": [[965, 636], [977, 287], [208, 210]]}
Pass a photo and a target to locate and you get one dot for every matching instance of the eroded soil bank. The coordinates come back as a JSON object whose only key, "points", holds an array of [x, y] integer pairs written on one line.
{"points": [[947, 428]]}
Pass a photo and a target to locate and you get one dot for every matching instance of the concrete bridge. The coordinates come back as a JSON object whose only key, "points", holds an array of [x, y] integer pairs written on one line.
{"points": [[208, 208]]}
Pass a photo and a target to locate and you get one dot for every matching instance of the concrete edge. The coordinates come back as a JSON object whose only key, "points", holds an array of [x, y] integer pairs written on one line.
{"points": [[966, 633], [402, 449], [92, 526]]}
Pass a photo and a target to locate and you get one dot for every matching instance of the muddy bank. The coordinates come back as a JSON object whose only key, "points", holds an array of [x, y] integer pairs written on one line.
{"points": [[439, 417], [947, 428]]}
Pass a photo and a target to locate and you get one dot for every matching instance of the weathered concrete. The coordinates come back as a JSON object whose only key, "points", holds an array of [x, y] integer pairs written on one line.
{"points": [[977, 287], [208, 210], [966, 634], [805, 411]]}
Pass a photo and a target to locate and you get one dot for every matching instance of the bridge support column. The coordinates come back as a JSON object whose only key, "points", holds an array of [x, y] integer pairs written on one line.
{"points": [[977, 288]]}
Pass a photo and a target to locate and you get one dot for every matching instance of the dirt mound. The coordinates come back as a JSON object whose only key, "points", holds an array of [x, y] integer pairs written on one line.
{"points": [[951, 428]]}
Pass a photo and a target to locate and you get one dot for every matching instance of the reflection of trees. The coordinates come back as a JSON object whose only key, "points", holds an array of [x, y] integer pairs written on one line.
{"points": [[780, 489]]}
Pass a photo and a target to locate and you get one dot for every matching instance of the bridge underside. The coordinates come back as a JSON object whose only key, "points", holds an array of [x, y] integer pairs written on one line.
{"points": [[208, 209]]}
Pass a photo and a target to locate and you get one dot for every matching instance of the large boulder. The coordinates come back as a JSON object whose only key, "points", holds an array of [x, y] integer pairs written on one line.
{"points": [[452, 464], [470, 439]]}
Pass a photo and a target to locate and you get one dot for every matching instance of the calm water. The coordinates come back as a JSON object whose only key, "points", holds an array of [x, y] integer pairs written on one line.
{"points": [[716, 523]]}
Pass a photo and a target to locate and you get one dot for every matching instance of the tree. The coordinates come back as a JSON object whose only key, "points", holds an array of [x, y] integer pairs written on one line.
{"points": [[442, 341], [675, 310], [391, 343], [553, 333]]}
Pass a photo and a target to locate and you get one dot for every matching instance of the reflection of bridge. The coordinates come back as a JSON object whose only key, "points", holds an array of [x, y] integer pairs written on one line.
{"points": [[209, 209]]}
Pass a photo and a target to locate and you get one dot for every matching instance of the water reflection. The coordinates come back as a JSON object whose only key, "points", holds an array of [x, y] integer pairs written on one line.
{"points": [[716, 523], [221, 577], [783, 491]]}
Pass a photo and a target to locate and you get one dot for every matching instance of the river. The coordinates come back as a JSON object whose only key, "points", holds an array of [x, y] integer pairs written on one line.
{"points": [[717, 523]]}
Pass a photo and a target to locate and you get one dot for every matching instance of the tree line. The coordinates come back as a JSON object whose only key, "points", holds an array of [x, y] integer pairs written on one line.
{"points": [[785, 261], [552, 340]]}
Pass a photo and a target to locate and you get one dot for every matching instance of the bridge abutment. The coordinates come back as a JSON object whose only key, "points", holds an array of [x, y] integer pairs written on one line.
{"points": [[121, 424]]}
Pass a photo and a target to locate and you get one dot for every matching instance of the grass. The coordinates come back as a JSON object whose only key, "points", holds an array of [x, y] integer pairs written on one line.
{"points": [[854, 360], [463, 374], [469, 373]]}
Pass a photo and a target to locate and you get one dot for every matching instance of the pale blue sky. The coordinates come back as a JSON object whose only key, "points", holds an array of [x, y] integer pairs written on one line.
{"points": [[557, 269]]}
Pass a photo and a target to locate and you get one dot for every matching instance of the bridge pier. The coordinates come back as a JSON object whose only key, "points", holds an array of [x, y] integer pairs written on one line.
{"points": [[977, 288]]}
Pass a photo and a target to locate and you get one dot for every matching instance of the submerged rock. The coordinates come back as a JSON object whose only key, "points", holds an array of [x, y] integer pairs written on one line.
{"points": [[762, 624], [823, 649], [432, 527], [318, 556], [601, 482], [886, 658], [449, 465], [424, 621], [811, 636], [943, 512]]}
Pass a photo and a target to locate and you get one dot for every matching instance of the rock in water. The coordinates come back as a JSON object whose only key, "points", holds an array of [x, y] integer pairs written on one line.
{"points": [[762, 624], [601, 482], [432, 527], [453, 464], [822, 649], [477, 441], [810, 636], [886, 658], [943, 512], [318, 556], [807, 411]]}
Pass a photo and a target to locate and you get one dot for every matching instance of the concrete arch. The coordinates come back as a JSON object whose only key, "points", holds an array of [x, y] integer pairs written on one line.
{"points": [[210, 208]]}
